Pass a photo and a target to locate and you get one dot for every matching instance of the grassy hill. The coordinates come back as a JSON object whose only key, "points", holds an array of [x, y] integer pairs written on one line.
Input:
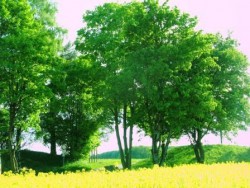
{"points": [[213, 154], [39, 161], [185, 154], [43, 162], [139, 152]]}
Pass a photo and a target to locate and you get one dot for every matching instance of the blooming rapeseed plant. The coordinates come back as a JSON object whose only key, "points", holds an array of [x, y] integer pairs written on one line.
{"points": [[195, 176]]}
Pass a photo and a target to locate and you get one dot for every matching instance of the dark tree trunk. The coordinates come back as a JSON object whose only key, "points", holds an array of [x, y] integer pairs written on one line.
{"points": [[11, 145], [164, 150], [196, 153], [126, 152], [18, 145], [155, 147], [119, 138], [130, 146], [198, 147], [52, 141], [125, 139], [132, 109], [131, 126], [18, 138], [199, 153]]}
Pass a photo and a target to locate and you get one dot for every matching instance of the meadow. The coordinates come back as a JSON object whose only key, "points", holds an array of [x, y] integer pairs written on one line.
{"points": [[225, 166], [193, 175]]}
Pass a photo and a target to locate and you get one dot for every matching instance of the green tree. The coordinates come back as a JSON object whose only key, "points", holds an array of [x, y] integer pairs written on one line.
{"points": [[101, 41], [195, 94], [219, 94], [231, 86], [138, 49], [163, 46], [27, 50], [155, 71], [71, 120]]}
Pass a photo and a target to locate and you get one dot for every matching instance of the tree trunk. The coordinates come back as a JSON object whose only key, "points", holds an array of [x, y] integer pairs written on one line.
{"points": [[11, 146], [155, 147], [130, 146], [131, 126], [52, 141], [119, 138], [125, 140], [18, 145], [198, 147], [164, 150], [126, 153], [196, 153], [18, 138], [221, 137], [199, 153]]}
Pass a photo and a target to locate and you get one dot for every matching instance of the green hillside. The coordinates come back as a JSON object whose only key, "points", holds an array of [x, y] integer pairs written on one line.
{"points": [[139, 152], [213, 154], [185, 154], [39, 161], [43, 162]]}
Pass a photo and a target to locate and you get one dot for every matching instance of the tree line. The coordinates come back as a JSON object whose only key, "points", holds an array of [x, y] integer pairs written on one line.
{"points": [[140, 64]]}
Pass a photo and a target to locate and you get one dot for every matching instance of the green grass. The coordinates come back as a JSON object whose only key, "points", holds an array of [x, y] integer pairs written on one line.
{"points": [[43, 162], [213, 154], [138, 152], [86, 165]]}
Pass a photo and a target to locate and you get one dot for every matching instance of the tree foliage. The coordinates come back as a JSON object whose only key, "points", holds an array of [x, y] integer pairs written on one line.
{"points": [[71, 120], [136, 64], [156, 71], [27, 50]]}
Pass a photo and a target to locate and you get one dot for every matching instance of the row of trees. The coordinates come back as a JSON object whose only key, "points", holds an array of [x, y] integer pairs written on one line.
{"points": [[154, 70], [135, 64], [28, 48], [43, 87]]}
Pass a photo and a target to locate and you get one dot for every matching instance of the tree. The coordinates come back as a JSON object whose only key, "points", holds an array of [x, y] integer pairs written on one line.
{"points": [[231, 86], [220, 98], [155, 71], [163, 46], [197, 100], [138, 49], [27, 49], [71, 121], [100, 41]]}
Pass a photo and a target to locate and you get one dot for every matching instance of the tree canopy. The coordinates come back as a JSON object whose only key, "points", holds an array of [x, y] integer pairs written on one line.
{"points": [[28, 49], [149, 57], [138, 64]]}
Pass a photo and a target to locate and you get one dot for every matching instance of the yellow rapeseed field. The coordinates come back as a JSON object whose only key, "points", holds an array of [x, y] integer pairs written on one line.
{"points": [[193, 176]]}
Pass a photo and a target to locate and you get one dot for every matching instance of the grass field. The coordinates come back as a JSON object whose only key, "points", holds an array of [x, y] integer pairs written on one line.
{"points": [[85, 164], [180, 171], [43, 162], [194, 176]]}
